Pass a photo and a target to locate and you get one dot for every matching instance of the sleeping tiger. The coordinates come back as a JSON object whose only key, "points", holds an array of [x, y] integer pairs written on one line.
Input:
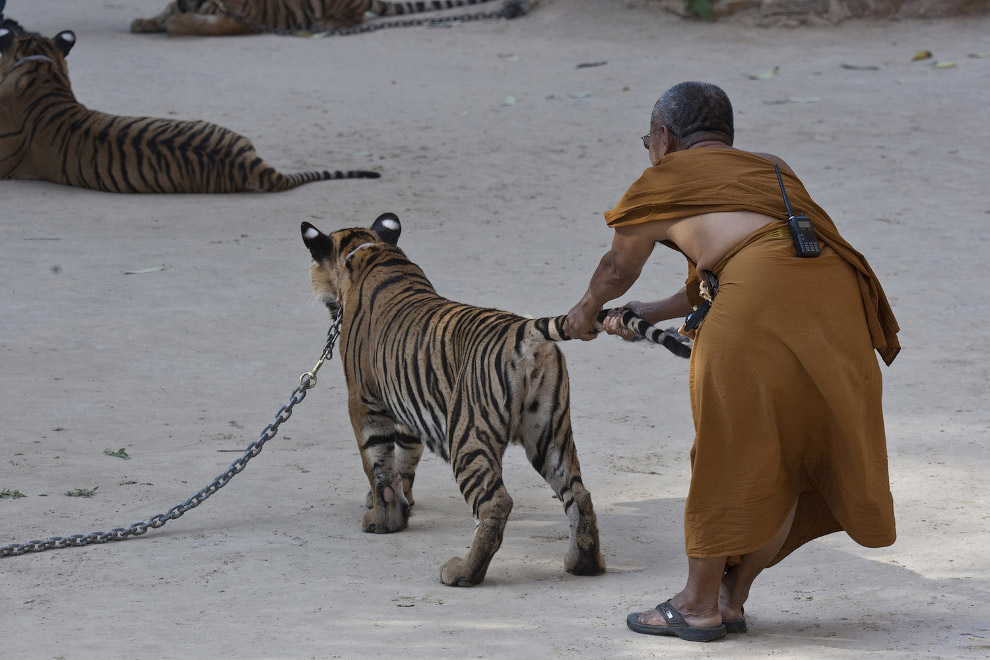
{"points": [[461, 380], [46, 134], [230, 17]]}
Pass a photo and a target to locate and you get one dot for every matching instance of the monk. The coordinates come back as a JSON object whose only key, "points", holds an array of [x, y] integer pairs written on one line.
{"points": [[785, 387]]}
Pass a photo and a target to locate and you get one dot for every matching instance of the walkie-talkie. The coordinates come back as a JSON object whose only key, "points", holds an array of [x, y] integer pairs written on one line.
{"points": [[802, 231]]}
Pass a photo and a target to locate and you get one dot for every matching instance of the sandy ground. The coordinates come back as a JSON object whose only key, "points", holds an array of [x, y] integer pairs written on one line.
{"points": [[184, 364]]}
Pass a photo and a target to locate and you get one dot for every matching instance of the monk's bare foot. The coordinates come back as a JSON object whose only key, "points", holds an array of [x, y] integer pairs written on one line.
{"points": [[686, 622], [653, 617], [728, 606], [694, 617]]}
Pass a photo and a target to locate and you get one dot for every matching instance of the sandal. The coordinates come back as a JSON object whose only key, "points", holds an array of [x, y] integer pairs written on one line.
{"points": [[737, 626], [676, 626]]}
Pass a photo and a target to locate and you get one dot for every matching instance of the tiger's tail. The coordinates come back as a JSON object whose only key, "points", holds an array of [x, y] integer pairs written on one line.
{"points": [[552, 329], [273, 181], [418, 6]]}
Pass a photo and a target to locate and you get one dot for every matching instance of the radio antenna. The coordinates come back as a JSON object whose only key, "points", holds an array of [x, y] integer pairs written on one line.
{"points": [[787, 202]]}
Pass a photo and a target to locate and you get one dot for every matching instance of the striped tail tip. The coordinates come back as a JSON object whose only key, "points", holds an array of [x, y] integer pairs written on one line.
{"points": [[272, 181], [651, 333], [349, 174]]}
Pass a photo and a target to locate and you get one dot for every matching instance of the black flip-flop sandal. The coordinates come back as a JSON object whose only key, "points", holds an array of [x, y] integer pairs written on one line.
{"points": [[676, 626], [737, 626]]}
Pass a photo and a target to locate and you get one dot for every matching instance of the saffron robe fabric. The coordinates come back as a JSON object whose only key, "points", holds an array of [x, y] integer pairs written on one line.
{"points": [[709, 180], [785, 387]]}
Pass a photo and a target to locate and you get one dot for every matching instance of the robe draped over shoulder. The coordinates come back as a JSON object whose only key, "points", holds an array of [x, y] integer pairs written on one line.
{"points": [[703, 180]]}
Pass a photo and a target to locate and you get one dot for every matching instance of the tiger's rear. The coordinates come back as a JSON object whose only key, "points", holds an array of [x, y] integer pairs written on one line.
{"points": [[423, 371], [46, 134]]}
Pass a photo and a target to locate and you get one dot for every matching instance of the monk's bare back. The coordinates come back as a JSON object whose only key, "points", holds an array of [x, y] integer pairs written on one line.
{"points": [[705, 239]]}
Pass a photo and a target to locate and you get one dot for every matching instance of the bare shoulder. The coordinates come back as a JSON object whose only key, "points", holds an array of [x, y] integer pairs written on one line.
{"points": [[774, 159]]}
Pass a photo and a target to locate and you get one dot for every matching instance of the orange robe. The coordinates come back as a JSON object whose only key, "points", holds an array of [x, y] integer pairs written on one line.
{"points": [[785, 388]]}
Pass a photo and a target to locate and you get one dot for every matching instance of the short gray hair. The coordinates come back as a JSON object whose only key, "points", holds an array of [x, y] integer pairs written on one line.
{"points": [[693, 112]]}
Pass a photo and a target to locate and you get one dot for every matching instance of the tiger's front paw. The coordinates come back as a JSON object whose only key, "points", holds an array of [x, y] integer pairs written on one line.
{"points": [[455, 573], [369, 499], [386, 513], [372, 523]]}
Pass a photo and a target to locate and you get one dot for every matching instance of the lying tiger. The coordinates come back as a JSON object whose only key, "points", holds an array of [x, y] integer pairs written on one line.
{"points": [[461, 380], [46, 134], [231, 17]]}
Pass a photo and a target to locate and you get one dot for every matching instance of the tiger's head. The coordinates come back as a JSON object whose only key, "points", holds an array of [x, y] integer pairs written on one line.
{"points": [[16, 49], [334, 255]]}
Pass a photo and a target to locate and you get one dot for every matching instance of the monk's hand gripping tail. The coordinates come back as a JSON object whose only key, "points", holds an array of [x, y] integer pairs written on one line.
{"points": [[651, 333]]}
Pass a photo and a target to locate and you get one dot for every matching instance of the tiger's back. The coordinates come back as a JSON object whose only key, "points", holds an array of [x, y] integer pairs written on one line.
{"points": [[463, 381], [231, 17], [453, 345], [45, 133]]}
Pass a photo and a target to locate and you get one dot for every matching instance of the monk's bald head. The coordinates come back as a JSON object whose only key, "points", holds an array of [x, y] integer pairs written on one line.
{"points": [[694, 112]]}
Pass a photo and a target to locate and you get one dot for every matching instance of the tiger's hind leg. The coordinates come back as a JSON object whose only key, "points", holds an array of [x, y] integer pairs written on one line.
{"points": [[206, 25], [545, 428], [389, 456], [476, 456]]}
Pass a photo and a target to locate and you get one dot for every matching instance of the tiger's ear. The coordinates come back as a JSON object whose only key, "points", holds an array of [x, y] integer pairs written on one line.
{"points": [[64, 41], [6, 39], [319, 244], [388, 228]]}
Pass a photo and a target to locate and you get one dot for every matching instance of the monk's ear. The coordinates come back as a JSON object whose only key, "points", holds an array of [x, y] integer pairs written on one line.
{"points": [[64, 41], [668, 143], [388, 228], [320, 245]]}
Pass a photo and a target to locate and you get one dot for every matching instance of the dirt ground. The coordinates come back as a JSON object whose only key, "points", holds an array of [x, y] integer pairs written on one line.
{"points": [[499, 153]]}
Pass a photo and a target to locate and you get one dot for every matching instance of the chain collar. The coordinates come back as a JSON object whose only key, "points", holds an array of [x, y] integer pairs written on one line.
{"points": [[31, 58], [340, 276]]}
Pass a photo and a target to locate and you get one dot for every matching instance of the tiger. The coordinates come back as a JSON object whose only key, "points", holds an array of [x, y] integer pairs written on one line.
{"points": [[463, 381], [233, 17], [46, 134]]}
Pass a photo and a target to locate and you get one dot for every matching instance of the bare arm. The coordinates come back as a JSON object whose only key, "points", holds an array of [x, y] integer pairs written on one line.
{"points": [[616, 272], [673, 306]]}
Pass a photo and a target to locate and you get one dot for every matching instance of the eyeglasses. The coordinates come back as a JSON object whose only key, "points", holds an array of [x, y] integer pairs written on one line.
{"points": [[646, 140]]}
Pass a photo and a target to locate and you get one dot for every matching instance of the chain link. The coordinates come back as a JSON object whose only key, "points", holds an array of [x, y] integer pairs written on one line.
{"points": [[306, 381]]}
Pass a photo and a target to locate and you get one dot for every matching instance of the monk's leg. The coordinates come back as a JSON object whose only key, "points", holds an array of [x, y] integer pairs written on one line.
{"points": [[698, 602], [738, 579], [713, 593]]}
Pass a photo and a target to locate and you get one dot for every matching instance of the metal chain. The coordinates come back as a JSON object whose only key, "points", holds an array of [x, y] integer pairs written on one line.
{"points": [[511, 9], [306, 382]]}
